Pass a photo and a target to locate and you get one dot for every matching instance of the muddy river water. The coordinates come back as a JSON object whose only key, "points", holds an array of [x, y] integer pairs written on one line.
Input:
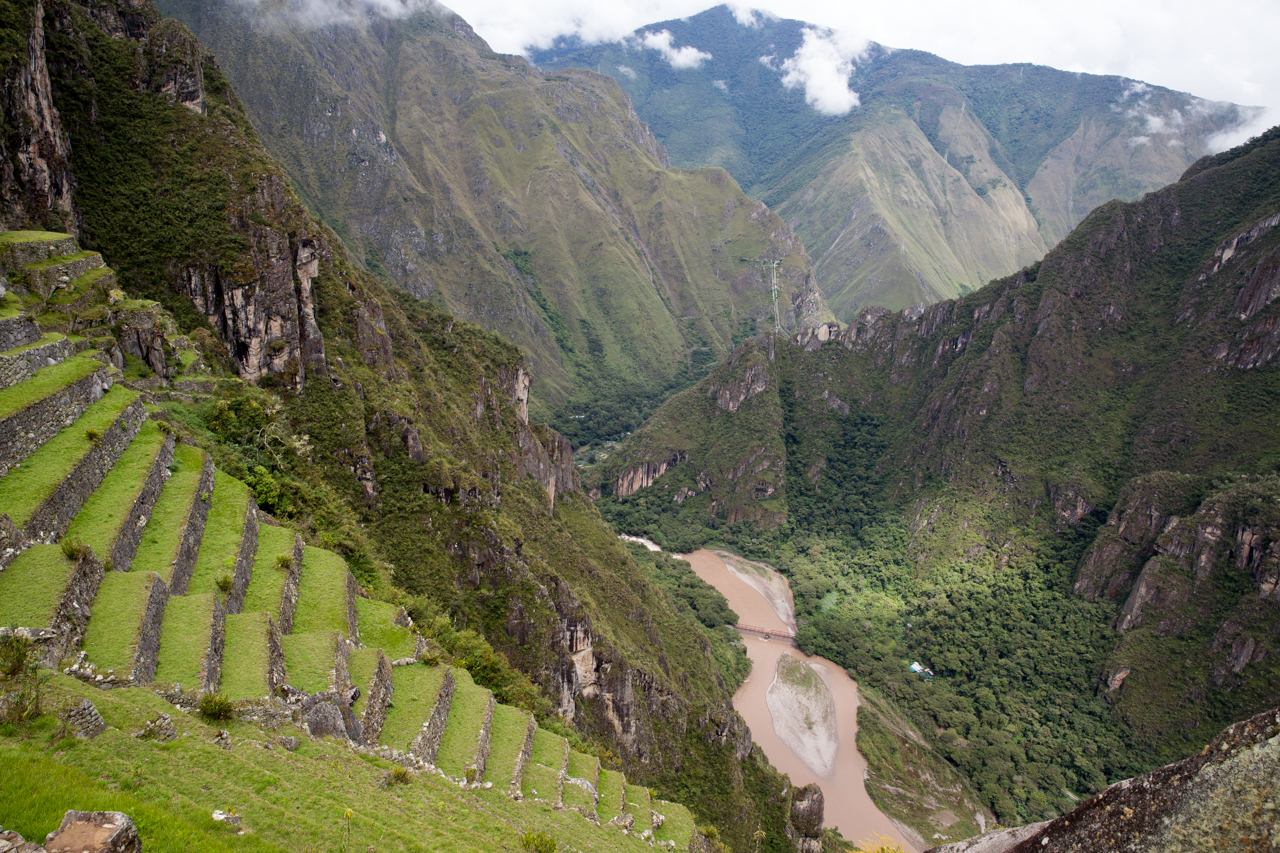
{"points": [[762, 598]]}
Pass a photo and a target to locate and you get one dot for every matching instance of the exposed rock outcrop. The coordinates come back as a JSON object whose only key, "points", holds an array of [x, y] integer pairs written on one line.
{"points": [[1221, 799], [36, 181]]}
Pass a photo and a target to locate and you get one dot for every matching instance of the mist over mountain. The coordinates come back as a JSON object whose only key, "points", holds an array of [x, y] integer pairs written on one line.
{"points": [[909, 178]]}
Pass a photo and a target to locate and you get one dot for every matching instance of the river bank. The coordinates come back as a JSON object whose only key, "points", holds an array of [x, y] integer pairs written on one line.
{"points": [[762, 598]]}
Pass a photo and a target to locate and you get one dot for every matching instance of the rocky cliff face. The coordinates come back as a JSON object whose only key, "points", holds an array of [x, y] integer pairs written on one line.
{"points": [[36, 182]]}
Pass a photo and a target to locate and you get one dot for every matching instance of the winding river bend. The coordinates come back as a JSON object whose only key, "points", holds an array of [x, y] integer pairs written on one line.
{"points": [[762, 598]]}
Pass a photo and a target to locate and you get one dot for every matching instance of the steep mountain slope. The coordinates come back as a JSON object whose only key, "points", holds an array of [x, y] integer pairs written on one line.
{"points": [[537, 206], [1058, 492], [384, 429], [944, 177]]}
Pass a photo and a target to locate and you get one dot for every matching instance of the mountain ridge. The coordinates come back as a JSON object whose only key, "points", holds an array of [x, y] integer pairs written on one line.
{"points": [[1048, 144]]}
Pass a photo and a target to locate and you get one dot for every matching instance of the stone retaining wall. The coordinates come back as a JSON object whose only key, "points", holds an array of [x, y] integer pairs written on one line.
{"points": [[51, 520], [211, 669], [482, 743], [25, 432], [22, 366], [340, 675], [15, 255], [378, 700], [17, 332], [126, 544], [244, 560], [289, 598], [11, 542], [193, 531], [147, 655], [561, 776], [276, 677], [427, 742], [46, 281], [353, 615], [526, 755], [72, 616]]}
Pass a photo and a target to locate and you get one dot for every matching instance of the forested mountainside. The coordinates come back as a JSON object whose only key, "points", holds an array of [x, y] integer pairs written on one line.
{"points": [[538, 206], [374, 423], [941, 179], [1059, 493]]}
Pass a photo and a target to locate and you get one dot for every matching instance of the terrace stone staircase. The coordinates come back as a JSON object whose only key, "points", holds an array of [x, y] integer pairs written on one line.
{"points": [[132, 562]]}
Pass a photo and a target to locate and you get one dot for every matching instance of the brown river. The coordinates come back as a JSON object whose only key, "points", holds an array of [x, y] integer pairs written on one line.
{"points": [[762, 598]]}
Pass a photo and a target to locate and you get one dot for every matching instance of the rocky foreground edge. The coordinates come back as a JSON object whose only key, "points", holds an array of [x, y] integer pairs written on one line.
{"points": [[1225, 798]]}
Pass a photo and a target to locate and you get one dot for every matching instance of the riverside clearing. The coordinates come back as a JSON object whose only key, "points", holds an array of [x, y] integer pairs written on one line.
{"points": [[761, 597]]}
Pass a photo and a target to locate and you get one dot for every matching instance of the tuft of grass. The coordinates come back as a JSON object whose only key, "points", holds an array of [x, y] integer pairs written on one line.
{"points": [[399, 775], [538, 842], [216, 706]]}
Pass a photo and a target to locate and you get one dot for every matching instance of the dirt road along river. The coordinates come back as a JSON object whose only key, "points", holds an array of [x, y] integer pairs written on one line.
{"points": [[762, 598]]}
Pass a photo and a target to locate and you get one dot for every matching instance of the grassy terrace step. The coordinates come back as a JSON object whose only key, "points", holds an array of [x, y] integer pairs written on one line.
{"points": [[266, 587], [611, 784], [47, 381], [28, 486], [361, 666], [290, 801], [378, 629], [462, 733], [542, 771], [308, 658], [159, 546], [45, 339], [32, 586], [322, 593], [411, 703], [222, 532], [112, 637], [506, 737], [245, 657], [677, 826], [184, 638], [581, 766], [99, 521], [638, 806], [83, 286]]}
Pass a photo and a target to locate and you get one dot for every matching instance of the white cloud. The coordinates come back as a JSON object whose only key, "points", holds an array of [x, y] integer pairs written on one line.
{"points": [[627, 70], [722, 85], [322, 13], [1135, 141], [750, 17], [822, 65], [677, 57], [1167, 43], [1256, 120]]}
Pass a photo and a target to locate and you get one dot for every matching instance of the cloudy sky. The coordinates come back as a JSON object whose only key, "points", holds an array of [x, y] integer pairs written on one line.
{"points": [[1227, 54]]}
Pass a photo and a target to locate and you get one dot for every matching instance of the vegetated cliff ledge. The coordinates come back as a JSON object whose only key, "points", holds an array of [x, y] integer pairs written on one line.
{"points": [[1221, 799], [385, 428]]}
